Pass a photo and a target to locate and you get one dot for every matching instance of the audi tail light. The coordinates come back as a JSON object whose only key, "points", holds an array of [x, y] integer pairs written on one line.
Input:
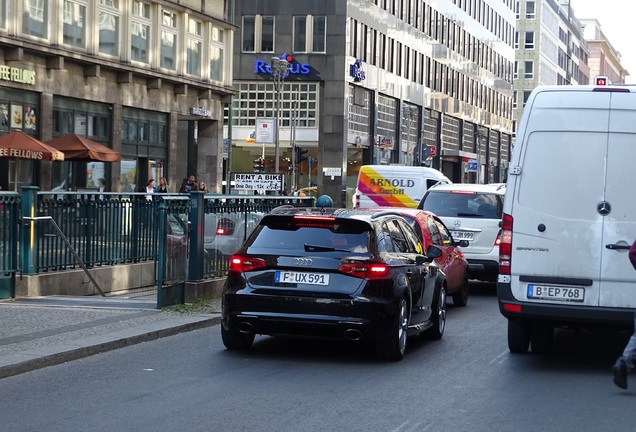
{"points": [[505, 245], [241, 263], [366, 270]]}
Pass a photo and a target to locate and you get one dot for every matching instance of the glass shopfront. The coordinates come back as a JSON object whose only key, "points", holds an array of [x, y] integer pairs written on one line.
{"points": [[19, 110], [87, 119]]}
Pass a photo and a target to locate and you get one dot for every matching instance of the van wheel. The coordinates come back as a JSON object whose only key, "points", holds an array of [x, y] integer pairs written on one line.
{"points": [[541, 336], [518, 336]]}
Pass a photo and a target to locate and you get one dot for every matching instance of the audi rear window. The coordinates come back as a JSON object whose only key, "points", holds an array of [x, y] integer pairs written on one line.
{"points": [[335, 236]]}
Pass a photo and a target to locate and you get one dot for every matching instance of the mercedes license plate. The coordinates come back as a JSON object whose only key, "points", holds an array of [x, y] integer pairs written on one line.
{"points": [[567, 294], [462, 235], [301, 277]]}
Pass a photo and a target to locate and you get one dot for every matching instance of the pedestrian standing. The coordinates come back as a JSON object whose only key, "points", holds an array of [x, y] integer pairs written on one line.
{"points": [[202, 187], [626, 362], [149, 189], [163, 185], [184, 184]]}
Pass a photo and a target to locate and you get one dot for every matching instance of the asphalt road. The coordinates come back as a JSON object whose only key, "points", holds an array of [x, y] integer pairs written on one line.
{"points": [[468, 381]]}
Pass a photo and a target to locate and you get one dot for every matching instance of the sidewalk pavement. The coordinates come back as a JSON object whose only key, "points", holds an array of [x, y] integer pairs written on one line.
{"points": [[37, 332]]}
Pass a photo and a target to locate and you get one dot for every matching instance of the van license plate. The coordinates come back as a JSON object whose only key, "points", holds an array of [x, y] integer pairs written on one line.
{"points": [[301, 277], [567, 294], [462, 235]]}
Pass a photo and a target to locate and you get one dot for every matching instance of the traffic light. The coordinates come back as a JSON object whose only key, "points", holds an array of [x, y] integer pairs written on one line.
{"points": [[300, 154], [601, 80], [259, 165]]}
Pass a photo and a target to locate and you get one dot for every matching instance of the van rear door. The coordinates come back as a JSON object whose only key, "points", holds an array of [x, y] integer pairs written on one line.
{"points": [[618, 277], [557, 231]]}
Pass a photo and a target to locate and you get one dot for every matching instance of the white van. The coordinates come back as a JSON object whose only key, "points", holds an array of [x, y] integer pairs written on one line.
{"points": [[569, 215], [394, 185]]}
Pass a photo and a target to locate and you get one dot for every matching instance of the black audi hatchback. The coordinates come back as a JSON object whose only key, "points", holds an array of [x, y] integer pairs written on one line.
{"points": [[335, 273]]}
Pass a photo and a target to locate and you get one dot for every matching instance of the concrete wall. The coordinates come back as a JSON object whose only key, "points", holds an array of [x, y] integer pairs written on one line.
{"points": [[110, 279]]}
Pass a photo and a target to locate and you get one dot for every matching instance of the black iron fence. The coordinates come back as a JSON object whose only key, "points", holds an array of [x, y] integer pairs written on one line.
{"points": [[187, 236]]}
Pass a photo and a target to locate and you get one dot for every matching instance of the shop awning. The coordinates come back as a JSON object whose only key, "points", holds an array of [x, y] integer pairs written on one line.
{"points": [[18, 145], [76, 147]]}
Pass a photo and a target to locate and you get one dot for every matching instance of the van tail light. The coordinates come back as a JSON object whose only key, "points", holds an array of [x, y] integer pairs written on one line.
{"points": [[225, 227], [242, 263], [505, 245], [366, 270], [356, 201], [498, 239]]}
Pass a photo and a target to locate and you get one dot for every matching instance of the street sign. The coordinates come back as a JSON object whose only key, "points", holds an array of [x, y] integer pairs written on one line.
{"points": [[258, 181], [433, 150], [265, 130], [472, 165]]}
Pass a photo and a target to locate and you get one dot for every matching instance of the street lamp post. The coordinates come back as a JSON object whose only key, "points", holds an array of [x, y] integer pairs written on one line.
{"points": [[279, 69]]}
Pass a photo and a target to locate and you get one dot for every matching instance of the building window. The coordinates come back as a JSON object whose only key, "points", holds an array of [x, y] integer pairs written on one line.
{"points": [[528, 69], [217, 52], [35, 18], [300, 34], [194, 46], [258, 33], [310, 34], [140, 31], [529, 42], [514, 98], [74, 23], [516, 40], [319, 34], [249, 33], [257, 100], [267, 34], [515, 75], [526, 95], [168, 46], [530, 10], [109, 21], [3, 15]]}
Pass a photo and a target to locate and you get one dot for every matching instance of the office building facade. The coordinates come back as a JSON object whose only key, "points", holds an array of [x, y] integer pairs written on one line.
{"points": [[146, 78], [550, 48], [412, 82]]}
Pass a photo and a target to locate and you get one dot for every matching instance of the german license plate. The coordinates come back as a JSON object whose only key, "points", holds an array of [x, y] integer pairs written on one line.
{"points": [[567, 294], [301, 277], [462, 235]]}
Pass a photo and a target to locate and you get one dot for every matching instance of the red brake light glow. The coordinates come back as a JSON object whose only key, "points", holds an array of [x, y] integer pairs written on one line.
{"points": [[505, 245], [516, 308], [225, 227], [463, 192], [240, 263], [366, 270], [313, 221]]}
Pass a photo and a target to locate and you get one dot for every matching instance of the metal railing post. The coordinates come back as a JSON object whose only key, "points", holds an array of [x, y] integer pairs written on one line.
{"points": [[28, 233], [197, 219], [161, 257]]}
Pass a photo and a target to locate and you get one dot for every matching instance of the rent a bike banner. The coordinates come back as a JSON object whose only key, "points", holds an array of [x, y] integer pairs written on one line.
{"points": [[258, 181], [385, 191]]}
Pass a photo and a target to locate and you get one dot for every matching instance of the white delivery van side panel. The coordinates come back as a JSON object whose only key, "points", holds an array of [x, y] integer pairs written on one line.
{"points": [[618, 278]]}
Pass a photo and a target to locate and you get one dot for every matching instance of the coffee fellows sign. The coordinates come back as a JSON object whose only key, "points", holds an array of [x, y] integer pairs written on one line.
{"points": [[18, 75]]}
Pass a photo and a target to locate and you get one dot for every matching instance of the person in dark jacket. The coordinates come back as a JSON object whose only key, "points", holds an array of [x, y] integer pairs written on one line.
{"points": [[627, 361]]}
